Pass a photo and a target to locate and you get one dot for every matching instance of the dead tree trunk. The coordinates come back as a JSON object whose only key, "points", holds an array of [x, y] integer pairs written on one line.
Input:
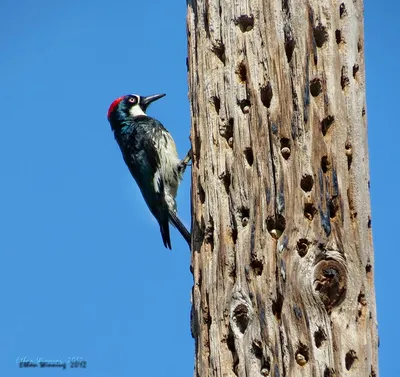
{"points": [[282, 248]]}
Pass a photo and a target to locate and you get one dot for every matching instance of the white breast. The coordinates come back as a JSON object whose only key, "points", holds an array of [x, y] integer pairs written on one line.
{"points": [[169, 162]]}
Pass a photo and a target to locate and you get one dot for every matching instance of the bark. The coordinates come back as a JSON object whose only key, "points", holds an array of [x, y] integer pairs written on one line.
{"points": [[282, 253]]}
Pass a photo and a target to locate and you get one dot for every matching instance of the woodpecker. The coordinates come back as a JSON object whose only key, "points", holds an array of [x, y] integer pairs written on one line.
{"points": [[150, 154]]}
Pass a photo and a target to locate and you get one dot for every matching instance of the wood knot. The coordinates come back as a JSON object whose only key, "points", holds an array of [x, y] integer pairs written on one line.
{"points": [[201, 193], [285, 152], [302, 354], [289, 42], [257, 348], [325, 164], [320, 35], [244, 105], [350, 358], [209, 233], [342, 10], [241, 71], [276, 225], [307, 182], [245, 22], [218, 49], [302, 246], [215, 100], [338, 36], [315, 87], [241, 317], [257, 266], [285, 148], [248, 153], [356, 68], [327, 123], [344, 79], [309, 211], [225, 127], [349, 154], [330, 282], [266, 94], [319, 337], [329, 372]]}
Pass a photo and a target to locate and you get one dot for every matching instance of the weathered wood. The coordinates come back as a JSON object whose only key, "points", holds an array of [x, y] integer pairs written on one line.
{"points": [[282, 252]]}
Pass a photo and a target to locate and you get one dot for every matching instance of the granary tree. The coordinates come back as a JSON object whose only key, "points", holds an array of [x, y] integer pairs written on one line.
{"points": [[282, 253]]}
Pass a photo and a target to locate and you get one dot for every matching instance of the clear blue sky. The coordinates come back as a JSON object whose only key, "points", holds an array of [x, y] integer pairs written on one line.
{"points": [[83, 270]]}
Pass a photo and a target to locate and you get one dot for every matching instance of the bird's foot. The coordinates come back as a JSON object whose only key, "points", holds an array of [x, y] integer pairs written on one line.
{"points": [[188, 157], [185, 162]]}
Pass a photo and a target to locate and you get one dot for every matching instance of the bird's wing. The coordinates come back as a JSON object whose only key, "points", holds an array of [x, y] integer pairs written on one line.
{"points": [[142, 148], [141, 157]]}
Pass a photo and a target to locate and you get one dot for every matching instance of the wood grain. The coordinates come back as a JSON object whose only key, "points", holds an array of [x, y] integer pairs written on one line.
{"points": [[282, 249]]}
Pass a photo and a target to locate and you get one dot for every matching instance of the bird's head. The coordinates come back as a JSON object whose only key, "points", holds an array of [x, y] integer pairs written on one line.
{"points": [[129, 106]]}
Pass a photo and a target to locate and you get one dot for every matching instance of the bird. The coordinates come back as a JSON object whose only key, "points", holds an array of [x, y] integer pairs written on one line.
{"points": [[150, 154]]}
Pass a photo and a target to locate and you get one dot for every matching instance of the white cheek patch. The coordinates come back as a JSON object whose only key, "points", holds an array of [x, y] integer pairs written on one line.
{"points": [[136, 111]]}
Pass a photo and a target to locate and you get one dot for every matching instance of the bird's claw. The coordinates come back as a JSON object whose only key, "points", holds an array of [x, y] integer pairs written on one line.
{"points": [[185, 162], [188, 157]]}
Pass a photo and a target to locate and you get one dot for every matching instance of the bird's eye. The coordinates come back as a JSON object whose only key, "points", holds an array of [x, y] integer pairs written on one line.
{"points": [[132, 100]]}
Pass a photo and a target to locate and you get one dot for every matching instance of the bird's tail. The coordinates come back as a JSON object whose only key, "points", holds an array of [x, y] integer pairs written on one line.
{"points": [[164, 229], [174, 219]]}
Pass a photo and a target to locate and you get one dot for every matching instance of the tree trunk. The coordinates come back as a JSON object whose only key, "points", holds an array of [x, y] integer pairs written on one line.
{"points": [[282, 248]]}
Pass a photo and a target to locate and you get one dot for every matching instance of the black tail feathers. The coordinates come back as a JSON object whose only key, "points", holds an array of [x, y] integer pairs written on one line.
{"points": [[173, 218], [164, 229]]}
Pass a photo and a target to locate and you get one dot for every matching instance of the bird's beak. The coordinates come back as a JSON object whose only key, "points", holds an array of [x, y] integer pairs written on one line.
{"points": [[146, 101]]}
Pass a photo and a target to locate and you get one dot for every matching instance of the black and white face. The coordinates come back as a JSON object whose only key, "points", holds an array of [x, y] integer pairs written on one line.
{"points": [[138, 105], [135, 106], [131, 105]]}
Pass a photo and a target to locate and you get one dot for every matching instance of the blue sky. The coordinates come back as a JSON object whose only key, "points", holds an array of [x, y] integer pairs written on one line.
{"points": [[83, 269]]}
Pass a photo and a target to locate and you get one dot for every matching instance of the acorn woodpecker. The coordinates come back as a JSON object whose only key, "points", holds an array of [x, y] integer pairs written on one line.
{"points": [[150, 154]]}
